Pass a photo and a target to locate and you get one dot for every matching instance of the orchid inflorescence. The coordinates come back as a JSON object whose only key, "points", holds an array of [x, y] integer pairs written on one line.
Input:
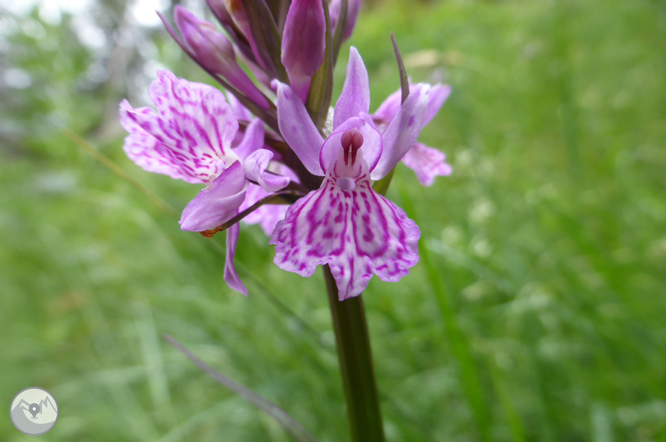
{"points": [[273, 152]]}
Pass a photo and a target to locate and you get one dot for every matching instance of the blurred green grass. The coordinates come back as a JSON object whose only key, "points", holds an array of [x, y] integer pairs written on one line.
{"points": [[547, 242]]}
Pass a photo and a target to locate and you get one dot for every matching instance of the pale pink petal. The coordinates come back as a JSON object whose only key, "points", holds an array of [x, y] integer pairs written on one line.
{"points": [[437, 95], [436, 98], [427, 163], [298, 130], [255, 167], [240, 111], [403, 131], [230, 275], [217, 203], [387, 111], [357, 232], [355, 96]]}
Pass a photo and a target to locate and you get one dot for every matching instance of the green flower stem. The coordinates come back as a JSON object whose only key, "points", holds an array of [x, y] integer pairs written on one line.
{"points": [[355, 356]]}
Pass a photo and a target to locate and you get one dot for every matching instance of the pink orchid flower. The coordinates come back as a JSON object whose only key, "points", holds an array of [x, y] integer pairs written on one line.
{"points": [[190, 137], [345, 223], [426, 162]]}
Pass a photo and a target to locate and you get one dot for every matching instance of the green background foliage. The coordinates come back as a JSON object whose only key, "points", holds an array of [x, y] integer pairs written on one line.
{"points": [[537, 312]]}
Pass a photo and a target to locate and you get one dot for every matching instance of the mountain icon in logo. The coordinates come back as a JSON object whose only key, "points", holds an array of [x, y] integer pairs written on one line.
{"points": [[34, 411]]}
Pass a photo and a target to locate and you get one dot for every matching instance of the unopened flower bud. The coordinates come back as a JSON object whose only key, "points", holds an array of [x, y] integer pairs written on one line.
{"points": [[220, 11], [303, 43], [216, 53], [353, 9], [236, 10]]}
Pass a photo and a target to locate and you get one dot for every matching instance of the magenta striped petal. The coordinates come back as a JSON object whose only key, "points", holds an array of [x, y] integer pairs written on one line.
{"points": [[357, 232], [145, 150], [195, 122], [192, 129]]}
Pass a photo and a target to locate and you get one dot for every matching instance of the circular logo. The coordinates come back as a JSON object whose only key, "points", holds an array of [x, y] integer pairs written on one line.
{"points": [[33, 411]]}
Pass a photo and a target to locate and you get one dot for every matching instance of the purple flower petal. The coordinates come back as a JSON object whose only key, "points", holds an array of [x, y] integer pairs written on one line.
{"points": [[387, 111], [437, 95], [403, 131], [372, 141], [349, 226], [427, 163], [355, 96], [303, 43], [217, 203], [298, 130], [253, 139], [230, 275], [436, 98], [255, 167], [240, 111], [353, 9]]}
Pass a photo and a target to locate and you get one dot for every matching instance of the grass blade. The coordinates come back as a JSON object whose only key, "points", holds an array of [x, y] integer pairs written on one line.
{"points": [[288, 423]]}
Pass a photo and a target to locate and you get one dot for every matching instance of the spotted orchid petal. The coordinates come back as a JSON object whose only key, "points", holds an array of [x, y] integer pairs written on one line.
{"points": [[217, 203], [348, 226], [427, 163], [256, 169], [403, 131], [355, 96], [230, 275], [298, 129], [193, 125], [146, 150]]}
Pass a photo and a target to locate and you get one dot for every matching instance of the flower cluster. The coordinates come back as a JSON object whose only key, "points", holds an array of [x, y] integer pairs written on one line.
{"points": [[273, 152]]}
